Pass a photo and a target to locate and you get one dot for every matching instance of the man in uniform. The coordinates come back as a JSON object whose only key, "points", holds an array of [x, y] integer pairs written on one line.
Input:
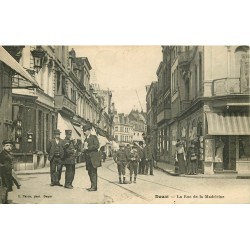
{"points": [[69, 158], [55, 151], [92, 156], [121, 158]]}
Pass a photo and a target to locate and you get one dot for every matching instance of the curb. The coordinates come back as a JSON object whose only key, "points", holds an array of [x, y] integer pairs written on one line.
{"points": [[45, 172], [167, 171], [38, 171]]}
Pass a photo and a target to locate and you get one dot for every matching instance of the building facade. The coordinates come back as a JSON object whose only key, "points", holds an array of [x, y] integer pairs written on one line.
{"points": [[210, 105], [65, 100]]}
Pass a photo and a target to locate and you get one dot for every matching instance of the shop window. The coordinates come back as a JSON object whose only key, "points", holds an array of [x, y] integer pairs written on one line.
{"points": [[244, 147]]}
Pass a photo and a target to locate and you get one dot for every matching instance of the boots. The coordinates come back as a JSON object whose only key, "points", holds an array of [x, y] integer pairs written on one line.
{"points": [[120, 180], [124, 180], [135, 179], [130, 179]]}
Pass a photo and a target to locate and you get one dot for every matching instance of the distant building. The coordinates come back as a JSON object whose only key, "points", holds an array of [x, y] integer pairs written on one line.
{"points": [[123, 131], [138, 122]]}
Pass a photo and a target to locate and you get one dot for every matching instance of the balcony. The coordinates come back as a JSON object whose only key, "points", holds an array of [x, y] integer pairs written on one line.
{"points": [[62, 102], [164, 115], [229, 86], [185, 105], [184, 57]]}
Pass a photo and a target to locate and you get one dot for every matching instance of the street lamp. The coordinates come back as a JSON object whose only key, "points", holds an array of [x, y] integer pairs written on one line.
{"points": [[38, 55]]}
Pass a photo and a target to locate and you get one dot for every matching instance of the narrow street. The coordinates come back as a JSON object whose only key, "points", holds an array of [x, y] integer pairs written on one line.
{"points": [[160, 188]]}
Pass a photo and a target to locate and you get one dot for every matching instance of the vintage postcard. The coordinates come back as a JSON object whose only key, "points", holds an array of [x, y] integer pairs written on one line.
{"points": [[124, 124]]}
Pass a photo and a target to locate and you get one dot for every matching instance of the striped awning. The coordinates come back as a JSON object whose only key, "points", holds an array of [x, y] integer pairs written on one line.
{"points": [[228, 124], [63, 123], [6, 58]]}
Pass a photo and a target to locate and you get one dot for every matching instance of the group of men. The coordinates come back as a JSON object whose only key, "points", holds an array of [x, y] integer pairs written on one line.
{"points": [[64, 152], [139, 159]]}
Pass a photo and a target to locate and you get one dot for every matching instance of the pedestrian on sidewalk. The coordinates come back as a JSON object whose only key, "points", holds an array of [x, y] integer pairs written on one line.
{"points": [[192, 156], [6, 166], [180, 157], [149, 158], [142, 162], [121, 158], [69, 159], [133, 163], [92, 156], [56, 153]]}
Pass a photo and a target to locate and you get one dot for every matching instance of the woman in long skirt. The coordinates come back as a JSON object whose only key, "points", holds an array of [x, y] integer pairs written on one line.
{"points": [[180, 157]]}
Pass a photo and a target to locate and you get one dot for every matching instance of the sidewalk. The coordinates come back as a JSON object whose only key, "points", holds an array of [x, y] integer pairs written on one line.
{"points": [[169, 169], [46, 170]]}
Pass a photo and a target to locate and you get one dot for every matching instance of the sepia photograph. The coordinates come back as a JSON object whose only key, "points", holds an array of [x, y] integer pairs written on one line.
{"points": [[158, 124]]}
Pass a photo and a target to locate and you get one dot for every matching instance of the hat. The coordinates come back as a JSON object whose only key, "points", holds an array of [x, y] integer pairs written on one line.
{"points": [[86, 127], [121, 145], [7, 141], [57, 132], [68, 132]]}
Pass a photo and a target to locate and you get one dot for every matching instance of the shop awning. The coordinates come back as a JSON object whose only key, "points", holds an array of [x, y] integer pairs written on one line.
{"points": [[228, 124], [78, 130], [63, 123], [6, 58], [102, 140]]}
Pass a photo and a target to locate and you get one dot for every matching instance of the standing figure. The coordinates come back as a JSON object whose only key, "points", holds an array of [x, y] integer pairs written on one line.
{"points": [[180, 157], [133, 163], [192, 156], [121, 158], [142, 162], [69, 159], [149, 158], [56, 152], [92, 156], [6, 165]]}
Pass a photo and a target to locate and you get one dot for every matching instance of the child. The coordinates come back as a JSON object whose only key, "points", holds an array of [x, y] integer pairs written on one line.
{"points": [[133, 162], [121, 159], [6, 166]]}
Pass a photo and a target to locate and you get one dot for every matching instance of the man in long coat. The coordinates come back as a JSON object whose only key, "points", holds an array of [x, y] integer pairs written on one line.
{"points": [[56, 153], [92, 156]]}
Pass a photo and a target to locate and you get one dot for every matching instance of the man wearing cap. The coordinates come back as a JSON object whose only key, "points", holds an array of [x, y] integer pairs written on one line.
{"points": [[6, 164], [55, 151], [121, 158], [69, 159], [133, 162], [92, 156]]}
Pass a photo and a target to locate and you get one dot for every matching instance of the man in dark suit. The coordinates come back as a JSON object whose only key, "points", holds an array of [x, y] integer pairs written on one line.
{"points": [[55, 151], [92, 156], [69, 159]]}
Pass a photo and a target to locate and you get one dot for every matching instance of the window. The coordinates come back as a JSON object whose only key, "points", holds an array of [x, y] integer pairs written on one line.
{"points": [[116, 128], [122, 129], [244, 147]]}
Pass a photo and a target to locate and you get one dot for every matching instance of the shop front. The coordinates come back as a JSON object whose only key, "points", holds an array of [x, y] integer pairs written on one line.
{"points": [[227, 143]]}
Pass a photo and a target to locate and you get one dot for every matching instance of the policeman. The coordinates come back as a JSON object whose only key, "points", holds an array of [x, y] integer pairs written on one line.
{"points": [[69, 158], [121, 158]]}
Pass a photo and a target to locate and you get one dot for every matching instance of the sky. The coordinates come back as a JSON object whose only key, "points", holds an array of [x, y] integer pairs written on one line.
{"points": [[124, 70]]}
